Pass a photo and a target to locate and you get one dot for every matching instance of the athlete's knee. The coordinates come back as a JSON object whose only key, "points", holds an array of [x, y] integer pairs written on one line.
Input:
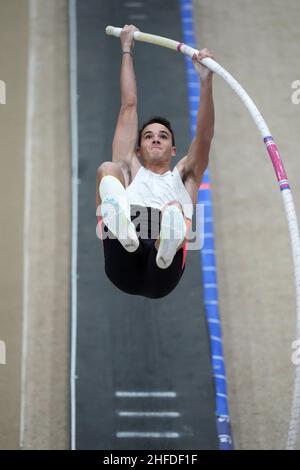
{"points": [[110, 168], [173, 203]]}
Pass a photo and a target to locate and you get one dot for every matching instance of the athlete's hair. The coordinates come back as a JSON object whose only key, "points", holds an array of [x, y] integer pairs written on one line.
{"points": [[154, 120]]}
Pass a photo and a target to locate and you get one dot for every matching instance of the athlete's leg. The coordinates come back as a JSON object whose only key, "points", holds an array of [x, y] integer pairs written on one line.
{"points": [[109, 168], [123, 269], [174, 228], [187, 222], [112, 205], [159, 282]]}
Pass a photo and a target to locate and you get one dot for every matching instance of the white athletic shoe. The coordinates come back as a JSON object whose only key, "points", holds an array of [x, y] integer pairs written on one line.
{"points": [[172, 234], [117, 219]]}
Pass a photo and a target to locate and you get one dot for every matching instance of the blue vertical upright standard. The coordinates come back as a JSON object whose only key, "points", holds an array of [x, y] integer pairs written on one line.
{"points": [[141, 375]]}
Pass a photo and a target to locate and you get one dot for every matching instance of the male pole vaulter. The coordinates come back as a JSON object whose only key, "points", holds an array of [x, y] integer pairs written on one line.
{"points": [[142, 176]]}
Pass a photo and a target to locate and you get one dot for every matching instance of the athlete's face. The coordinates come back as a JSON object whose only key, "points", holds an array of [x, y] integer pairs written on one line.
{"points": [[156, 143]]}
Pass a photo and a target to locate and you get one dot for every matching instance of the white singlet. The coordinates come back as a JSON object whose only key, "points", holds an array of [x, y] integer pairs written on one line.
{"points": [[154, 190]]}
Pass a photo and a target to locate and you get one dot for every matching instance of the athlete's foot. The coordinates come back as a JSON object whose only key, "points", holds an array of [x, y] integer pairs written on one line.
{"points": [[172, 235], [117, 219]]}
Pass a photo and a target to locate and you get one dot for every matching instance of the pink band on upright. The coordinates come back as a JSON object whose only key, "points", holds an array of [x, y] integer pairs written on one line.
{"points": [[180, 46]]}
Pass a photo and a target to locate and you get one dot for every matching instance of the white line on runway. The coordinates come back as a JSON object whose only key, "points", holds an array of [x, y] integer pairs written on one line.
{"points": [[74, 150], [155, 435], [146, 394], [137, 17], [133, 4], [148, 414]]}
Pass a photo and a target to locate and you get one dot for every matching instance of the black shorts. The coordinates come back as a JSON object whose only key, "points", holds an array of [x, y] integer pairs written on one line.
{"points": [[137, 273]]}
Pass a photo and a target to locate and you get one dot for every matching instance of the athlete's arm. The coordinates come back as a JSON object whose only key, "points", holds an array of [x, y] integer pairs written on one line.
{"points": [[196, 161], [124, 140]]}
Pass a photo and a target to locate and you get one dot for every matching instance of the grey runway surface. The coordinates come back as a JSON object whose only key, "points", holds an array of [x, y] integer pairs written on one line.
{"points": [[144, 379]]}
